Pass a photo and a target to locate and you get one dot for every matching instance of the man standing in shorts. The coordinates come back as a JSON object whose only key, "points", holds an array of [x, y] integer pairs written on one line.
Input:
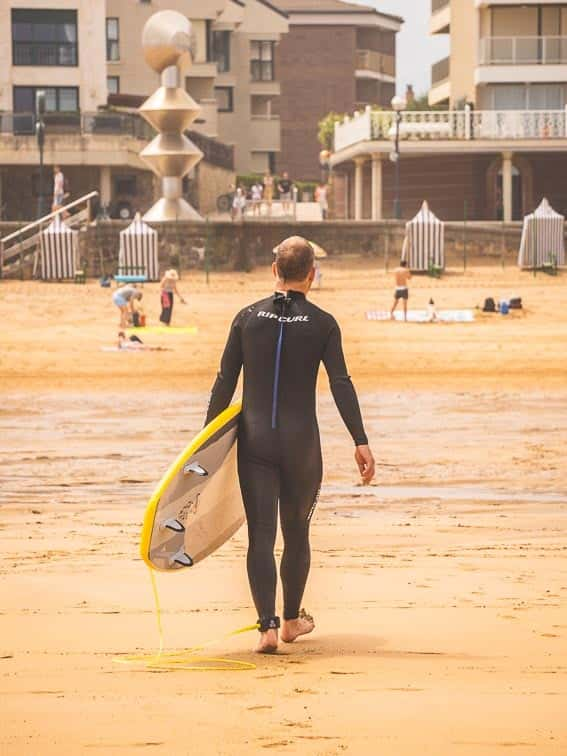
{"points": [[402, 276], [280, 342], [284, 188]]}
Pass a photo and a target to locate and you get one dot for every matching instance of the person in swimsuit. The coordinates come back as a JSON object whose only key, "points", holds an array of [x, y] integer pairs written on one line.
{"points": [[122, 298], [280, 342], [402, 276], [168, 287]]}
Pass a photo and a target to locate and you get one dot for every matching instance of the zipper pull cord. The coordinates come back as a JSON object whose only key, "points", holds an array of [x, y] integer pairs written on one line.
{"points": [[284, 301]]}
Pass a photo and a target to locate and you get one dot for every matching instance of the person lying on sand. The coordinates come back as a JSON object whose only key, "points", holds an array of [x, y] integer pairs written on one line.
{"points": [[135, 344], [280, 342]]}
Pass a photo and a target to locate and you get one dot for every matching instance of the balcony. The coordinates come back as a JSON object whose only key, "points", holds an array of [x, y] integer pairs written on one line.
{"points": [[371, 64], [468, 127], [440, 20], [265, 133], [101, 138], [523, 51], [440, 90]]}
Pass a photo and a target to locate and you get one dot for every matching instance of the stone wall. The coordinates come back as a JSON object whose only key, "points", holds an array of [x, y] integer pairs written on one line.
{"points": [[242, 246]]}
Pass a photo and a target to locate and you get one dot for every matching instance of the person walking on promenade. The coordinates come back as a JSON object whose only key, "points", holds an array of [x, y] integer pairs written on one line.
{"points": [[321, 197], [284, 188], [280, 342], [402, 276]]}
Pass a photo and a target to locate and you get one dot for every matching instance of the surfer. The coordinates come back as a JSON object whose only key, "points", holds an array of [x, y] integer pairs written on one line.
{"points": [[281, 341]]}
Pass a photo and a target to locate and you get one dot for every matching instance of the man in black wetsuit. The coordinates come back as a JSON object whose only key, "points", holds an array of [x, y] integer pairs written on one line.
{"points": [[281, 341]]}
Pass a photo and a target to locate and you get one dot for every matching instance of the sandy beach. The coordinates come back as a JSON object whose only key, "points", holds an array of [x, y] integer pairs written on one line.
{"points": [[439, 592]]}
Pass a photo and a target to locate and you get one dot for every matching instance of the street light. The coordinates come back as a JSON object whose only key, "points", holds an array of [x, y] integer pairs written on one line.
{"points": [[40, 136], [398, 106]]}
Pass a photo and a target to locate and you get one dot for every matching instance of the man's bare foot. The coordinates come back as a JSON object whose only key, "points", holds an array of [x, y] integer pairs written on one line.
{"points": [[293, 628], [268, 643]]}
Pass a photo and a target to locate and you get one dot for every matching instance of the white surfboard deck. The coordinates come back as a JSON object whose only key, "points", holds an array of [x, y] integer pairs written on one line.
{"points": [[197, 505]]}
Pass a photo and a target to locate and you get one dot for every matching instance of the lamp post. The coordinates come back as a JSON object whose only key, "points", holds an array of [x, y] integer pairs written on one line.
{"points": [[40, 136], [398, 106]]}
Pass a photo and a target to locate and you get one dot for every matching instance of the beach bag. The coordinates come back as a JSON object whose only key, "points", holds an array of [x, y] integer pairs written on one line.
{"points": [[515, 303], [489, 305]]}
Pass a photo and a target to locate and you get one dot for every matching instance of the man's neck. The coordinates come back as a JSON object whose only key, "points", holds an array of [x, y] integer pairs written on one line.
{"points": [[302, 287]]}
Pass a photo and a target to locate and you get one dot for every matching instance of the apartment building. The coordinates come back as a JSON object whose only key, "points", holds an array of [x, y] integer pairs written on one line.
{"points": [[86, 56], [337, 56], [500, 144], [232, 77]]}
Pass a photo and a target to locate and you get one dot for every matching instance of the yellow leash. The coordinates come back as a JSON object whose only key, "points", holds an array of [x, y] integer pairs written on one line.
{"points": [[186, 659]]}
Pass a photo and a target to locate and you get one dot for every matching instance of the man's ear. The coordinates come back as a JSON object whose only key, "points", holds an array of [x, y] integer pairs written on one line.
{"points": [[275, 270], [311, 276]]}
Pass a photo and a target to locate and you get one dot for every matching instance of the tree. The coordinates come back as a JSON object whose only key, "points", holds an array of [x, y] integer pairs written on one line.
{"points": [[326, 132]]}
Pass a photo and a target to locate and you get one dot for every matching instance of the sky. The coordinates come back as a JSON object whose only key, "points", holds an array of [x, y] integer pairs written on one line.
{"points": [[416, 49]]}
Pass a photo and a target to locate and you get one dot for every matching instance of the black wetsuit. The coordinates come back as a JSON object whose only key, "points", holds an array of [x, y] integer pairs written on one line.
{"points": [[281, 342]]}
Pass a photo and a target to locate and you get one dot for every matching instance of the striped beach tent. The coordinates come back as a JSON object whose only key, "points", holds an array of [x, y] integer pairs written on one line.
{"points": [[59, 249], [139, 250], [542, 238], [424, 243]]}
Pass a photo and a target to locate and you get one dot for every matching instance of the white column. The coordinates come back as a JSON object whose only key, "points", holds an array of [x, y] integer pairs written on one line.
{"points": [[507, 186], [105, 189], [377, 187], [358, 186]]}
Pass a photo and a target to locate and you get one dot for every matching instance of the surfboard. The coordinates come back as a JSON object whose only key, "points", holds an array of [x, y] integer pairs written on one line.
{"points": [[197, 506]]}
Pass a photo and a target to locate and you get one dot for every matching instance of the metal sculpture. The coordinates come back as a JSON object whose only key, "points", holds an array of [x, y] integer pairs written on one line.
{"points": [[166, 41]]}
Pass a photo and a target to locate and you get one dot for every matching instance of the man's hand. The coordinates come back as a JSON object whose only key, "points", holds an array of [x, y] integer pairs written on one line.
{"points": [[365, 461]]}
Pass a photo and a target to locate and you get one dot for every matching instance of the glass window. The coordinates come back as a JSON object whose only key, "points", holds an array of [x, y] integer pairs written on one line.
{"points": [[112, 39], [113, 84], [262, 60], [44, 38], [509, 97], [224, 98], [221, 50], [57, 99]]}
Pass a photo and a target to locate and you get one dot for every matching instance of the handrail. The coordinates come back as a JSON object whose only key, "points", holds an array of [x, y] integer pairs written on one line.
{"points": [[39, 221]]}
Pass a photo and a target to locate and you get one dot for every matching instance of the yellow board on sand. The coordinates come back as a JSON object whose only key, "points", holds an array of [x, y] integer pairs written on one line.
{"points": [[170, 330], [197, 505]]}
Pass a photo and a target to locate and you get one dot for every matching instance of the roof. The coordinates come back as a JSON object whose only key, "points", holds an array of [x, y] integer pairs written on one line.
{"points": [[272, 6], [330, 6]]}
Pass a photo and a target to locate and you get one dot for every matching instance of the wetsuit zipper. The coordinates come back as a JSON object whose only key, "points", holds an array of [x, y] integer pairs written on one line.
{"points": [[284, 301]]}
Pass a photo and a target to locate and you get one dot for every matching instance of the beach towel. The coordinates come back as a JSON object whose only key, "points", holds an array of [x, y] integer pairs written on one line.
{"points": [[421, 316]]}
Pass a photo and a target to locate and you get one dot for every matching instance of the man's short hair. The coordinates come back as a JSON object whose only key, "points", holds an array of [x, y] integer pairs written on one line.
{"points": [[404, 263], [294, 259]]}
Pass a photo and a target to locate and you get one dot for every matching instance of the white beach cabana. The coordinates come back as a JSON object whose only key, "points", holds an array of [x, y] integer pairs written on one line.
{"points": [[138, 253], [424, 243], [59, 249], [542, 240]]}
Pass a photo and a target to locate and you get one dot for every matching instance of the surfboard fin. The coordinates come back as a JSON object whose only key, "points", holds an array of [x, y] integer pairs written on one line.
{"points": [[173, 524], [182, 559], [195, 467]]}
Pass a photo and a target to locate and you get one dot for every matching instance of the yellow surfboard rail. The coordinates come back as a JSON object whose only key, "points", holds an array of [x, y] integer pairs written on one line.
{"points": [[201, 438]]}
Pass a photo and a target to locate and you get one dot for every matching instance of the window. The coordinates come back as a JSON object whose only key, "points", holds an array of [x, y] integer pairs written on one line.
{"points": [[113, 84], [262, 61], [44, 38], [220, 41], [112, 39], [224, 98], [57, 99], [125, 184]]}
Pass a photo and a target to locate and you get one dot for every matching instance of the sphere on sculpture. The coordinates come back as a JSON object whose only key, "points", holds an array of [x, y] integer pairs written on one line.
{"points": [[166, 40]]}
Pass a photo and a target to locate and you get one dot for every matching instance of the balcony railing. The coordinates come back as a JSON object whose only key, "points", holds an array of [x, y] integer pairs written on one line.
{"points": [[523, 50], [125, 124], [45, 54], [370, 60], [440, 70], [452, 125], [438, 5]]}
